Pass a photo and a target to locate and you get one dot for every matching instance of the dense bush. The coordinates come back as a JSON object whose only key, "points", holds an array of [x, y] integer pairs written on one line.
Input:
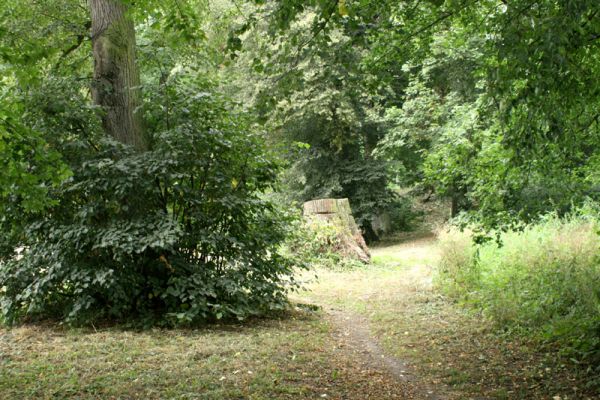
{"points": [[542, 279], [177, 234]]}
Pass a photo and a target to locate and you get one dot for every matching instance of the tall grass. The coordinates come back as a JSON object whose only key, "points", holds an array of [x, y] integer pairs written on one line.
{"points": [[543, 280]]}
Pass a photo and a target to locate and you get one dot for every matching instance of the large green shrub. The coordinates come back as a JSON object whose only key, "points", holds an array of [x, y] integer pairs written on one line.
{"points": [[542, 279], [177, 234]]}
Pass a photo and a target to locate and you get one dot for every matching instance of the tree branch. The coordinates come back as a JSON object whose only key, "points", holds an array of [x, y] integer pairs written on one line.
{"points": [[79, 41]]}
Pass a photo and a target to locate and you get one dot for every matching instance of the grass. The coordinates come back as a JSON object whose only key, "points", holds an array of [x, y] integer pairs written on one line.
{"points": [[296, 357], [451, 349], [302, 356], [265, 360]]}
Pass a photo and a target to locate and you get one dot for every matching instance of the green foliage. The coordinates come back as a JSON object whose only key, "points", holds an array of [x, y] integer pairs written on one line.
{"points": [[319, 98], [176, 235], [317, 244], [545, 79], [482, 121], [30, 169], [492, 105], [543, 279]]}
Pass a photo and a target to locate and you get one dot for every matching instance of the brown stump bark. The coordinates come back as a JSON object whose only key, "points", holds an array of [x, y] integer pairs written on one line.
{"points": [[116, 85], [338, 213]]}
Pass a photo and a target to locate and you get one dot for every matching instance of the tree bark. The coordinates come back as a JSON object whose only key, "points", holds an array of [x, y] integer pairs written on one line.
{"points": [[116, 84], [338, 214]]}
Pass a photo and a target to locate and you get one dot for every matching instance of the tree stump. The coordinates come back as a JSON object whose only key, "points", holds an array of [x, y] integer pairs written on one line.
{"points": [[337, 212]]}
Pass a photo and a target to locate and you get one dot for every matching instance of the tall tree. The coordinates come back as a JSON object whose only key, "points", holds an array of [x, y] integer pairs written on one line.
{"points": [[116, 85]]}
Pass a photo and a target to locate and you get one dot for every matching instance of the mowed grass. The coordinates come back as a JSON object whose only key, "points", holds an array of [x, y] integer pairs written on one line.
{"points": [[295, 357], [276, 359], [454, 351]]}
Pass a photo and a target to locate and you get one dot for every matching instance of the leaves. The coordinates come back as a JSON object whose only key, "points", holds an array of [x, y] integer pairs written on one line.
{"points": [[29, 167], [160, 236]]}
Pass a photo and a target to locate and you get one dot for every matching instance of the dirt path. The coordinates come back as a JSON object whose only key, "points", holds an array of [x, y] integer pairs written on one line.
{"points": [[353, 334], [345, 308]]}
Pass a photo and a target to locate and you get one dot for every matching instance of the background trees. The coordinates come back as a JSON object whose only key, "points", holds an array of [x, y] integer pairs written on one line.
{"points": [[492, 103]]}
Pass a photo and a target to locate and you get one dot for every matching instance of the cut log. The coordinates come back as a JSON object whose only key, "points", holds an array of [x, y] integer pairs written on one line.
{"points": [[337, 212]]}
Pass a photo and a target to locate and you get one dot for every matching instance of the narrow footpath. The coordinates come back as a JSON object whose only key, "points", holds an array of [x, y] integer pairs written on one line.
{"points": [[389, 320], [347, 296]]}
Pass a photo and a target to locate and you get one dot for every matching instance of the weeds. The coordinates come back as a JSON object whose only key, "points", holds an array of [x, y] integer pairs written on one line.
{"points": [[542, 280], [318, 244]]}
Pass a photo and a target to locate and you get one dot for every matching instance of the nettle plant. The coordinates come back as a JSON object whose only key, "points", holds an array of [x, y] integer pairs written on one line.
{"points": [[178, 234]]}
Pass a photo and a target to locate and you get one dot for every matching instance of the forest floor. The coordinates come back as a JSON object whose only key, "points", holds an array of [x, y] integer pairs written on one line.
{"points": [[381, 332]]}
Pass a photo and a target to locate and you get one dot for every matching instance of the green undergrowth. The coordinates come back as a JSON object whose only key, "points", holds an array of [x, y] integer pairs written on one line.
{"points": [[177, 235], [317, 245], [541, 281]]}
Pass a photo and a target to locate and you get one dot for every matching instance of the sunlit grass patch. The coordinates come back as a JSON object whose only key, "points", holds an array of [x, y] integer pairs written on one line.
{"points": [[543, 280]]}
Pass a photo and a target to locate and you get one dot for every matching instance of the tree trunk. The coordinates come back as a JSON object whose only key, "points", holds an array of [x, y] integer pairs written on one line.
{"points": [[116, 85], [338, 214]]}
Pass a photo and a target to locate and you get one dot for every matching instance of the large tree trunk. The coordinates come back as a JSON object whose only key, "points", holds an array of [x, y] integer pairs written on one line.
{"points": [[116, 86], [337, 214]]}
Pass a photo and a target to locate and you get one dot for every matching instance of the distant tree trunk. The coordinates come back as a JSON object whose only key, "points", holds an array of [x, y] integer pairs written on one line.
{"points": [[338, 214], [454, 209], [116, 85]]}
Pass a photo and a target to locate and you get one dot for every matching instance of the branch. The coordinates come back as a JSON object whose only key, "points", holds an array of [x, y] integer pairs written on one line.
{"points": [[427, 27], [80, 39]]}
